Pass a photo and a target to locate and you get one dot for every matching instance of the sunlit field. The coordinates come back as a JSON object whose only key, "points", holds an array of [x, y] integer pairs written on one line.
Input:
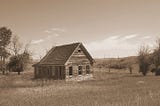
{"points": [[117, 88]]}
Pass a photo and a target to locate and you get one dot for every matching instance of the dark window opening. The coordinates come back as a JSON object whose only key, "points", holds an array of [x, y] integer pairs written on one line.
{"points": [[79, 70], [70, 70], [60, 70], [79, 50], [87, 69]]}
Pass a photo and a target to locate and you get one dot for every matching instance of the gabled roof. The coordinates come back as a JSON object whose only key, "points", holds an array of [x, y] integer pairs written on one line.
{"points": [[59, 55]]}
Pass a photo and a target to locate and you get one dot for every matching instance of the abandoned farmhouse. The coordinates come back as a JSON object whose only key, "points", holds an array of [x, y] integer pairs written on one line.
{"points": [[71, 61]]}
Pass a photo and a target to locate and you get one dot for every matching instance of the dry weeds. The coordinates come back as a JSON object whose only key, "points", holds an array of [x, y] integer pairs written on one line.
{"points": [[107, 89]]}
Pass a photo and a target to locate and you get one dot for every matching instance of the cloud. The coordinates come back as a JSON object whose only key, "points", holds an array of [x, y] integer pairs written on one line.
{"points": [[49, 37], [58, 29], [54, 31], [56, 34], [130, 36], [48, 31], [37, 41], [114, 37], [115, 46], [146, 37]]}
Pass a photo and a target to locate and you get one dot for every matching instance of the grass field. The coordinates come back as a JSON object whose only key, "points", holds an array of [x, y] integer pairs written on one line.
{"points": [[117, 88]]}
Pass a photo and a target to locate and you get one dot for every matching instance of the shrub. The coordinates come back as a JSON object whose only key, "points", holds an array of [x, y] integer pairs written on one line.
{"points": [[155, 57], [19, 62], [143, 60]]}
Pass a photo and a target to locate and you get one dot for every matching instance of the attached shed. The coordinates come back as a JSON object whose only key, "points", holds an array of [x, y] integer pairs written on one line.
{"points": [[71, 61]]}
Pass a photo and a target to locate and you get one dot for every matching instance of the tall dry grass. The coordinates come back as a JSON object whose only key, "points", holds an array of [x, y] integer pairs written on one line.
{"points": [[107, 89]]}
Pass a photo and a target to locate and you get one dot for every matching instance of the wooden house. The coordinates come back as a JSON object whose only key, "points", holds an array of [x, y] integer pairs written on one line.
{"points": [[71, 61]]}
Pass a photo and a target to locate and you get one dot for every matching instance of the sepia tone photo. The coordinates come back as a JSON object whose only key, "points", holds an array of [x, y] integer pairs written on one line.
{"points": [[79, 52]]}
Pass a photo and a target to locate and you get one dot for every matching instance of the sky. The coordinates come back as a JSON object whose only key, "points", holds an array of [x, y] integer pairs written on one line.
{"points": [[107, 28]]}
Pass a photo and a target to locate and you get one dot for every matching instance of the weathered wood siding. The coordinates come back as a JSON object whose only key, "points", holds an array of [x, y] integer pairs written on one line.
{"points": [[78, 58], [49, 71]]}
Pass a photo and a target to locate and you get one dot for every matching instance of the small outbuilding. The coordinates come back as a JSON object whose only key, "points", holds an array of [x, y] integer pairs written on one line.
{"points": [[65, 62]]}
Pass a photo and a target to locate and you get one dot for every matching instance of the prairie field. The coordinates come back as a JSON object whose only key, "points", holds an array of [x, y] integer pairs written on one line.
{"points": [[117, 88]]}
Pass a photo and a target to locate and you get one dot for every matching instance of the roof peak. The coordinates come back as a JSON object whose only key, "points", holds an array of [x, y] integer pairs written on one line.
{"points": [[59, 55], [68, 44]]}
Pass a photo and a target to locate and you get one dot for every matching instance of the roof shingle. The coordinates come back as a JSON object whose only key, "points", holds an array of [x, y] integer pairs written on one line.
{"points": [[60, 54]]}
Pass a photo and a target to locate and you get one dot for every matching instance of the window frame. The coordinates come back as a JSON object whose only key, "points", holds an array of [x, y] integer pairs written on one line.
{"points": [[88, 69], [80, 69], [70, 73]]}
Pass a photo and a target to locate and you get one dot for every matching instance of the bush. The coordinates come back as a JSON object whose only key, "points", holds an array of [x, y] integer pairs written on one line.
{"points": [[157, 71], [19, 62], [155, 57], [144, 60]]}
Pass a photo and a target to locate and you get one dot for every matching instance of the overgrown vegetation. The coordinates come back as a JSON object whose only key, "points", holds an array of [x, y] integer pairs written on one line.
{"points": [[10, 46], [5, 39], [19, 62], [143, 60], [149, 60], [114, 89], [156, 58]]}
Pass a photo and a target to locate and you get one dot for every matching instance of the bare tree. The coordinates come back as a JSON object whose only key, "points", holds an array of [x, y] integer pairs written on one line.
{"points": [[16, 45], [143, 60], [21, 56], [19, 62]]}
